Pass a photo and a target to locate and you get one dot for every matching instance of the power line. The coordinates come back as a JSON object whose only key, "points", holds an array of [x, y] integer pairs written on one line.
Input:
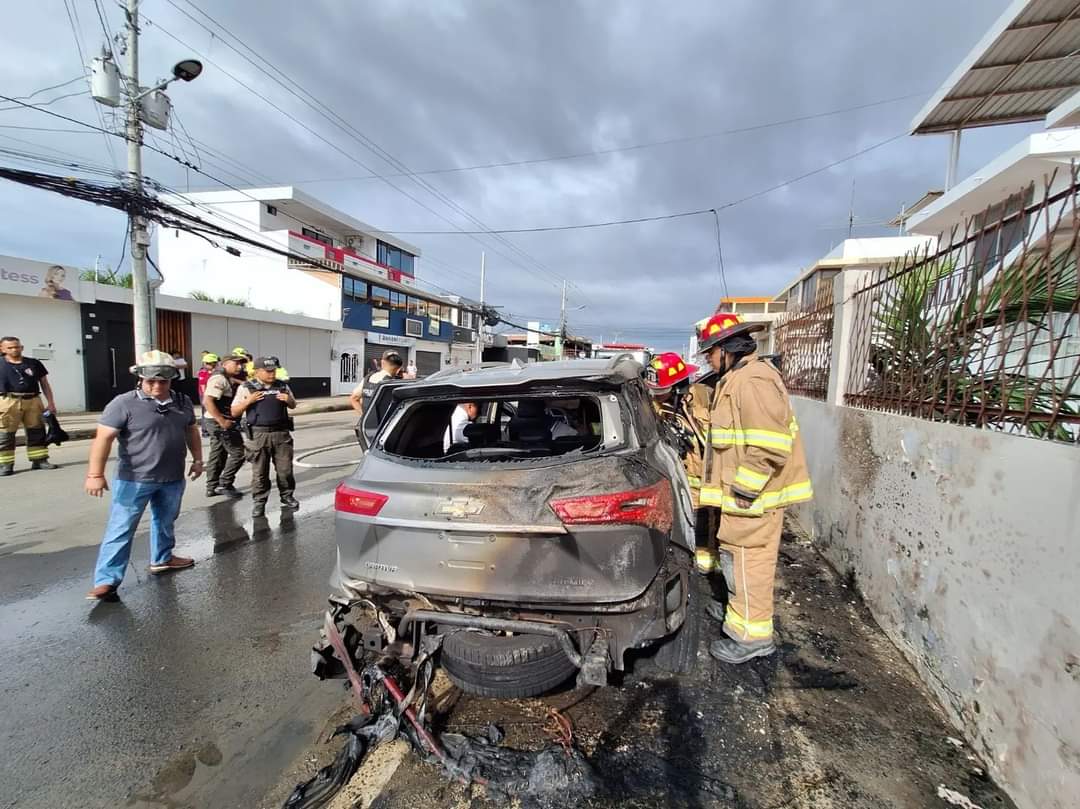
{"points": [[334, 117], [309, 129], [52, 87], [627, 148], [676, 215], [720, 255], [73, 15], [51, 100]]}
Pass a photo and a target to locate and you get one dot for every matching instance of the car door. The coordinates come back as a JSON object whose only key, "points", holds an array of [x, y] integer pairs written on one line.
{"points": [[375, 414]]}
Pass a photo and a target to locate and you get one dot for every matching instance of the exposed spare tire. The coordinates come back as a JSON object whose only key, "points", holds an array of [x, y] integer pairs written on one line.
{"points": [[504, 666]]}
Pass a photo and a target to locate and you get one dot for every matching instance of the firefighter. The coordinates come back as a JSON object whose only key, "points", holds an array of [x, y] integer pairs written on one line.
{"points": [[22, 381], [668, 380], [756, 469], [264, 403]]}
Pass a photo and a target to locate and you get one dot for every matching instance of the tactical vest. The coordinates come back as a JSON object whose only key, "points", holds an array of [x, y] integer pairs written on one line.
{"points": [[371, 384], [225, 400], [268, 411]]}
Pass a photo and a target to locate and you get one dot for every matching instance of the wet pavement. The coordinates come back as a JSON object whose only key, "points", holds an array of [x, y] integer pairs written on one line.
{"points": [[194, 690]]}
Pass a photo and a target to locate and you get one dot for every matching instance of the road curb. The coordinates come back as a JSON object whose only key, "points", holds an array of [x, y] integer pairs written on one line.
{"points": [[86, 433]]}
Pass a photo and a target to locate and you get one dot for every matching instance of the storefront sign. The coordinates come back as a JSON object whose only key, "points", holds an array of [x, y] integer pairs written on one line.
{"points": [[18, 276], [391, 339]]}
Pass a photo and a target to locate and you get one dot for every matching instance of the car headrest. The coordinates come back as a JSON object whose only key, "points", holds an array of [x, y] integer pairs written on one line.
{"points": [[531, 409]]}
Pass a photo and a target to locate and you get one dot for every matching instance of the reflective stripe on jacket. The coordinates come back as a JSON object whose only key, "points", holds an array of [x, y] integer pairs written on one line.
{"points": [[757, 451]]}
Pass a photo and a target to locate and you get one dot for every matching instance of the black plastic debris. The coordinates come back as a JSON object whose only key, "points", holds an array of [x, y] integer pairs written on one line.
{"points": [[362, 733], [553, 776]]}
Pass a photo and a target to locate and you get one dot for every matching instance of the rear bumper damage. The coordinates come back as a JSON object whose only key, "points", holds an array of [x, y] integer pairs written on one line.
{"points": [[379, 624]]}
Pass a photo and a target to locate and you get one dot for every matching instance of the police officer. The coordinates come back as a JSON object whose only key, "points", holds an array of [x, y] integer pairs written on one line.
{"points": [[22, 381], [265, 402], [391, 368], [226, 442]]}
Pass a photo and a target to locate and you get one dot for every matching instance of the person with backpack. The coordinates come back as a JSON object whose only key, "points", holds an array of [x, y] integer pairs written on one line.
{"points": [[154, 427]]}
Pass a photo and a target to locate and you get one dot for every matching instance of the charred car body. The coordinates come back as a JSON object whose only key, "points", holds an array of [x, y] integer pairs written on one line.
{"points": [[550, 541]]}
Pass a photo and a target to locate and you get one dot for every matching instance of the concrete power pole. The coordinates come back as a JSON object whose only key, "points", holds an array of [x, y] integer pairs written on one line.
{"points": [[480, 325], [140, 238], [561, 336]]}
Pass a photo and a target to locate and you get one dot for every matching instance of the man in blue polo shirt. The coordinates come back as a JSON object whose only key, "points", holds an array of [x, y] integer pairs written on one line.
{"points": [[155, 426]]}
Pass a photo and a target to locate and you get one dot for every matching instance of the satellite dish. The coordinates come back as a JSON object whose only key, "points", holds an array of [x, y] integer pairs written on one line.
{"points": [[187, 70]]}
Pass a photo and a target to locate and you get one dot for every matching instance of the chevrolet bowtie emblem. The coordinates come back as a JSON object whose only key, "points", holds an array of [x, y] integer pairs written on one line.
{"points": [[458, 508]]}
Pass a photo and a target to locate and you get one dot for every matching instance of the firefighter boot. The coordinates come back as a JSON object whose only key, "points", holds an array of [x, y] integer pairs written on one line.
{"points": [[729, 650], [43, 465]]}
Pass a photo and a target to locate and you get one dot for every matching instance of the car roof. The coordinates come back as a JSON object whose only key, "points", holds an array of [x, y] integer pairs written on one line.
{"points": [[616, 370]]}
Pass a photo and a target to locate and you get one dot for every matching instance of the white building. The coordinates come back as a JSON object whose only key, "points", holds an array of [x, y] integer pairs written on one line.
{"points": [[814, 285], [85, 335], [338, 268]]}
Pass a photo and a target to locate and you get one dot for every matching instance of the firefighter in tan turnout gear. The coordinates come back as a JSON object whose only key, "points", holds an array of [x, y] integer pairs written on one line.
{"points": [[756, 469], [685, 408]]}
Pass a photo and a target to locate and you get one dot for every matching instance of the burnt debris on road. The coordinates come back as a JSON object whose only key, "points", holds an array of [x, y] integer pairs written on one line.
{"points": [[838, 718]]}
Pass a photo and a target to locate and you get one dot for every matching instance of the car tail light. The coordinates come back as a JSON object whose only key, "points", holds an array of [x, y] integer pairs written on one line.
{"points": [[357, 501], [651, 507]]}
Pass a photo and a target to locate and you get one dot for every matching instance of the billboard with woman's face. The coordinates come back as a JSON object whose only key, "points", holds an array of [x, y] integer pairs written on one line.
{"points": [[19, 276]]}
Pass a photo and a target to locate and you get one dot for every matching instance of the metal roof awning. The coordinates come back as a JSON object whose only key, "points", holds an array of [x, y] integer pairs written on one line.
{"points": [[1025, 66]]}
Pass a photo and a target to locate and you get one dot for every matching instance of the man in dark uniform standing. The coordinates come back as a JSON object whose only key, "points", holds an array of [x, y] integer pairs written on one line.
{"points": [[226, 442], [22, 381], [265, 402], [391, 367]]}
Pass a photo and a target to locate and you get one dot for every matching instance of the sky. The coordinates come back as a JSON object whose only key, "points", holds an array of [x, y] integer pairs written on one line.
{"points": [[418, 86]]}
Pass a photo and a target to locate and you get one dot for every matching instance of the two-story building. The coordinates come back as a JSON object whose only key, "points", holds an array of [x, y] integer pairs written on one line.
{"points": [[325, 264]]}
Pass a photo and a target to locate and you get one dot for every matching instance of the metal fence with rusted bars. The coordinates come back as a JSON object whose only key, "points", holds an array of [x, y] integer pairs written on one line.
{"points": [[803, 340], [982, 329]]}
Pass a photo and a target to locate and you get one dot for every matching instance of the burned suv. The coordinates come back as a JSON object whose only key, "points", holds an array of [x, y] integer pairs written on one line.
{"points": [[545, 539]]}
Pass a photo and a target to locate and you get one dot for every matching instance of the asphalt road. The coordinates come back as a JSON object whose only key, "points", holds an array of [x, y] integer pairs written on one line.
{"points": [[194, 690]]}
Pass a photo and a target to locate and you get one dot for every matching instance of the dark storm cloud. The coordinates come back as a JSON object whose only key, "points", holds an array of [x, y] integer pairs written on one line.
{"points": [[449, 84]]}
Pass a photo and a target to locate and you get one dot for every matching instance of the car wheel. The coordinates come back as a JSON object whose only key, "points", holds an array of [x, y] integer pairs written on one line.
{"points": [[503, 666], [678, 652]]}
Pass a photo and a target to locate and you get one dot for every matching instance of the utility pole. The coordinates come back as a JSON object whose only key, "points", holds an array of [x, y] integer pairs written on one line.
{"points": [[480, 325], [561, 336], [140, 239]]}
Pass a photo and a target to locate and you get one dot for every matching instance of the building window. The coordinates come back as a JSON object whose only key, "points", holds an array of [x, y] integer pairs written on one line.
{"points": [[390, 256], [995, 239], [414, 306], [398, 300], [414, 328], [354, 289], [444, 314], [380, 296], [380, 318], [319, 237], [433, 319], [421, 307], [270, 209]]}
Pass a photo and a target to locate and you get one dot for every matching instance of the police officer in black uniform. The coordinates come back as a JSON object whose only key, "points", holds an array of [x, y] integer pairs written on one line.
{"points": [[265, 402]]}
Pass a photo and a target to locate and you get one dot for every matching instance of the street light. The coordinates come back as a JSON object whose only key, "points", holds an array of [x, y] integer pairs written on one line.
{"points": [[187, 70]]}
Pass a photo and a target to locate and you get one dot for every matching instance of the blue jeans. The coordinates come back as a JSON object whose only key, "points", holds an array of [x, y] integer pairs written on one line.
{"points": [[129, 500]]}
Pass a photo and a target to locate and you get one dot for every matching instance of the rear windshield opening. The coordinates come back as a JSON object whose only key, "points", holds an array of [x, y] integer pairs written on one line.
{"points": [[504, 428]]}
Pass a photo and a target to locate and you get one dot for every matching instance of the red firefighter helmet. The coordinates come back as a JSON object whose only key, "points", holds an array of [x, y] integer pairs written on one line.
{"points": [[715, 329], [667, 370]]}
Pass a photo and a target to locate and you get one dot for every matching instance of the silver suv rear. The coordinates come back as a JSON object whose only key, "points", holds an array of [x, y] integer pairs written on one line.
{"points": [[552, 539]]}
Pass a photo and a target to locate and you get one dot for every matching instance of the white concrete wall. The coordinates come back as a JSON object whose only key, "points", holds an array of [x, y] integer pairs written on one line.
{"points": [[966, 546], [262, 278], [305, 352], [46, 325]]}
